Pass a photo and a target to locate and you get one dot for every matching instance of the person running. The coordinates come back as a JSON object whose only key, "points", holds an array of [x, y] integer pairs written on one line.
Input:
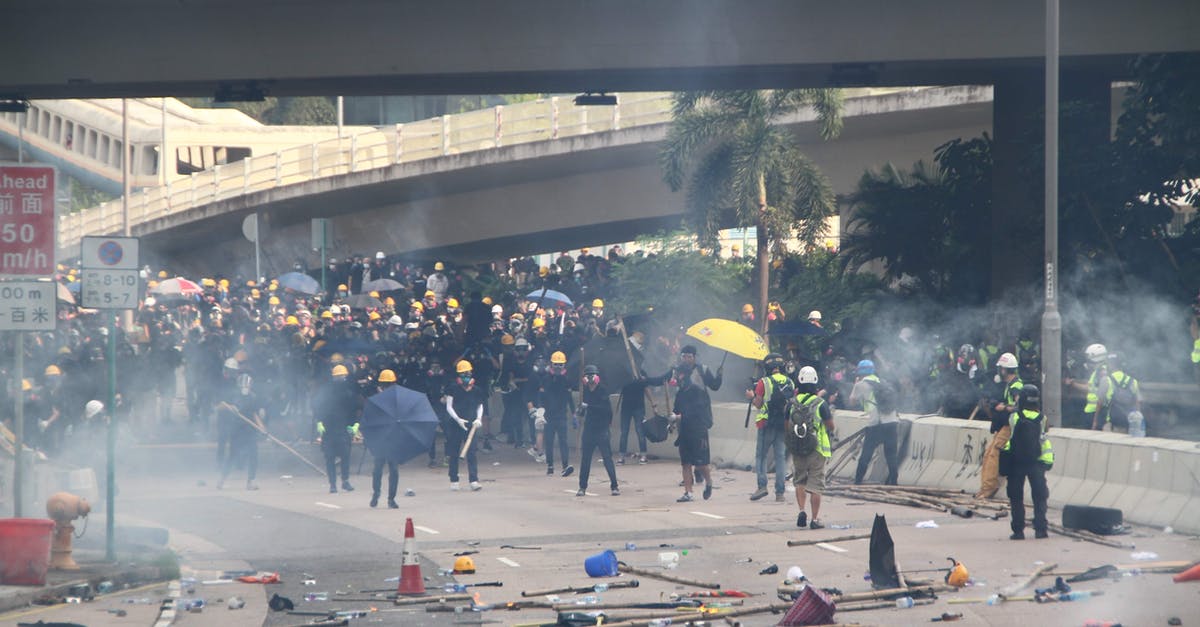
{"points": [[464, 403], [596, 409]]}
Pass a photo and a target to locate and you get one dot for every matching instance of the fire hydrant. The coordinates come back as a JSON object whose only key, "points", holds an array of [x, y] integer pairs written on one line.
{"points": [[62, 508]]}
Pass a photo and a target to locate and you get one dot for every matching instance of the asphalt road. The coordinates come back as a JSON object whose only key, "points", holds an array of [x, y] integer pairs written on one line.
{"points": [[293, 526]]}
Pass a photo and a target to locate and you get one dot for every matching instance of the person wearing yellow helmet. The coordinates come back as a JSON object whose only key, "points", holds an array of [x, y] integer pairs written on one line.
{"points": [[464, 404], [747, 317], [273, 301], [292, 321], [386, 379], [240, 413], [335, 407], [438, 283], [554, 399], [51, 412], [327, 315]]}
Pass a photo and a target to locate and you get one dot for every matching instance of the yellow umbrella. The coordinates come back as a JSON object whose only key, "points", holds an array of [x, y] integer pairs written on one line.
{"points": [[729, 336]]}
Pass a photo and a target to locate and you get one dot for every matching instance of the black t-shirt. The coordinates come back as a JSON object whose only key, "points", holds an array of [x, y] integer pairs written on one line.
{"points": [[599, 408], [465, 401]]}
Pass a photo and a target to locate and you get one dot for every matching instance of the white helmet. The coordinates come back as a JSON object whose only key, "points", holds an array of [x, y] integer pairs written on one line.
{"points": [[231, 364], [150, 302], [497, 310], [814, 315], [396, 321], [1007, 360], [1096, 353], [92, 408], [807, 374]]}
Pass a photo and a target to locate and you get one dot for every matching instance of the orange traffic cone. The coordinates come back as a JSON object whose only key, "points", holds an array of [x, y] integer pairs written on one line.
{"points": [[1191, 574], [411, 581]]}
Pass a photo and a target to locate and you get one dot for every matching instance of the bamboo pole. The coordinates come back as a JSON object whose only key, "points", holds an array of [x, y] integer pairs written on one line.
{"points": [[626, 568], [1028, 580], [880, 605], [437, 599], [859, 536], [633, 583]]}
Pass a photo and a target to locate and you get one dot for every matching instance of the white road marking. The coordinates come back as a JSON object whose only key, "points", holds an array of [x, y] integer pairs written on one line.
{"points": [[508, 562], [329, 505], [426, 530], [831, 547], [708, 515]]}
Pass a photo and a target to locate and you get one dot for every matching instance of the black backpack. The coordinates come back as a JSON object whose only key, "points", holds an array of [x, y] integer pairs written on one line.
{"points": [[800, 437], [782, 395], [1026, 440], [1123, 402], [885, 396], [656, 428]]}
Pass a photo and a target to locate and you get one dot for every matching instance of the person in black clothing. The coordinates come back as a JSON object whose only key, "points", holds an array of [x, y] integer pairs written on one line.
{"points": [[633, 410], [597, 416], [1027, 459], [246, 412], [336, 409], [693, 411], [554, 396], [434, 383], [387, 378], [464, 403]]}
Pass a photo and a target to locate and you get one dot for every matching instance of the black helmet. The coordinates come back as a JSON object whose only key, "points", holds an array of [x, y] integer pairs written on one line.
{"points": [[591, 369], [1031, 396], [773, 361]]}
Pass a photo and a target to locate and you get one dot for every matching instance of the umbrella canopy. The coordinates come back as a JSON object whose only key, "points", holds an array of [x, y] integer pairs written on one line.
{"points": [[795, 327], [363, 301], [64, 293], [398, 424], [541, 296], [729, 336], [382, 285], [299, 282], [177, 286]]}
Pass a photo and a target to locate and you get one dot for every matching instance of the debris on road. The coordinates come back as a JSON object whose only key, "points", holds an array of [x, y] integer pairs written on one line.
{"points": [[626, 568]]}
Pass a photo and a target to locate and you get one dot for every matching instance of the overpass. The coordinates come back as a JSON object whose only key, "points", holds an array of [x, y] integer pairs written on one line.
{"points": [[487, 184]]}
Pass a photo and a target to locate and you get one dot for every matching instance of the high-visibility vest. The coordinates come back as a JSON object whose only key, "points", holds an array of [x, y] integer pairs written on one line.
{"points": [[769, 383], [822, 435], [1093, 390], [1047, 456], [1012, 390], [1117, 378], [1196, 352]]}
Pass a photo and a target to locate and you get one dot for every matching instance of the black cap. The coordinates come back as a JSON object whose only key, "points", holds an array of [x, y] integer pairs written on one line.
{"points": [[688, 349]]}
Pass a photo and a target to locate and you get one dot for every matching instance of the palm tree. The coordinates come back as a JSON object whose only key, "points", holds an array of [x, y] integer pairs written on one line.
{"points": [[742, 167]]}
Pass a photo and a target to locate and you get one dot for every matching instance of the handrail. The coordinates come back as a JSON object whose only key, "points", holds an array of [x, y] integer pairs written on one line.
{"points": [[485, 129]]}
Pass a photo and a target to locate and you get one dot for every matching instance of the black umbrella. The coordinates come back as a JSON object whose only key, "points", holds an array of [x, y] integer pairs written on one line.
{"points": [[398, 424], [363, 301], [382, 285]]}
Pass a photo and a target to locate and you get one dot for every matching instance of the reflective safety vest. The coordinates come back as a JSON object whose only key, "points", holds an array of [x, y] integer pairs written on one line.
{"points": [[1093, 390], [1196, 352], [1047, 456], [1117, 378], [1012, 390], [769, 383], [822, 435]]}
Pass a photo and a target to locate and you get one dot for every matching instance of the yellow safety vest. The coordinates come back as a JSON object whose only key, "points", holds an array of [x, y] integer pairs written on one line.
{"points": [[822, 435], [1115, 379], [769, 383], [1093, 390], [1047, 456], [1196, 352]]}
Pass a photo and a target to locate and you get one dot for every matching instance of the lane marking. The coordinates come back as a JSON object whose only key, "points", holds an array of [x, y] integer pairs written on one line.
{"points": [[708, 515], [508, 562], [329, 505], [426, 530], [831, 547]]}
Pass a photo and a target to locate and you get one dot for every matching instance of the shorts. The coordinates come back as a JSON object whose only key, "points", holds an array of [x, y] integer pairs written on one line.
{"points": [[809, 471], [693, 451]]}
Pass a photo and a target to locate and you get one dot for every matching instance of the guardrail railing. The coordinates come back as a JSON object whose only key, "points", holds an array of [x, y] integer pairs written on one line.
{"points": [[526, 122]]}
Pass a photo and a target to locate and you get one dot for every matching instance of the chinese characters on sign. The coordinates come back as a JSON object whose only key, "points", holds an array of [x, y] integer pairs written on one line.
{"points": [[27, 306], [27, 226]]}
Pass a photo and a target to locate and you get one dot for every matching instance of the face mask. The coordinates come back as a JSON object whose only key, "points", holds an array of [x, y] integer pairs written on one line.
{"points": [[558, 370], [464, 379], [591, 379]]}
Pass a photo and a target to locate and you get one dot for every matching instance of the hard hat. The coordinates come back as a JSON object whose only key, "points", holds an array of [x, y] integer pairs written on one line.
{"points": [[92, 408], [1031, 394], [598, 304], [543, 271], [208, 283], [231, 364], [272, 287], [339, 371], [866, 366], [389, 301], [507, 340], [380, 255], [150, 301], [439, 266], [558, 357], [152, 284], [807, 374], [336, 358], [497, 309], [430, 294], [1007, 360], [747, 308], [591, 369], [274, 300], [162, 274], [52, 370], [521, 343], [387, 376], [254, 293], [452, 303], [342, 287], [374, 294], [538, 323], [487, 300], [464, 565], [374, 315], [773, 361], [396, 321], [26, 385], [958, 575], [223, 282], [251, 283], [814, 315], [1096, 353], [327, 315], [517, 316], [416, 304], [292, 321], [463, 366]]}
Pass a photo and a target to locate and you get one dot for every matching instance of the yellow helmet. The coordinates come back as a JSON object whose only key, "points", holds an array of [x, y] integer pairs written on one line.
{"points": [[598, 304], [208, 283], [439, 266], [464, 565], [463, 366], [747, 308], [487, 300], [387, 376], [958, 575], [374, 315], [543, 271], [251, 283], [558, 357], [254, 293], [507, 340], [52, 370], [539, 323], [162, 274], [339, 371], [342, 287], [430, 294], [223, 283], [274, 300], [336, 358], [152, 284], [374, 294], [517, 316], [452, 303], [327, 315], [416, 304], [26, 385], [292, 321], [389, 301], [272, 287]]}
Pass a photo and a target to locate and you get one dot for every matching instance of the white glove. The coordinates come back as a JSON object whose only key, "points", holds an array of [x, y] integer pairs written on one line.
{"points": [[461, 423], [477, 423], [43, 424], [541, 414], [539, 423]]}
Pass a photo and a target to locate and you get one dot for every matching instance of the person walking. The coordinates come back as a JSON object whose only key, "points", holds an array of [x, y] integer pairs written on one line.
{"points": [[336, 411], [1028, 456], [771, 396], [989, 474], [387, 378], [878, 399], [554, 396], [693, 412], [244, 411], [810, 446], [464, 403], [596, 409]]}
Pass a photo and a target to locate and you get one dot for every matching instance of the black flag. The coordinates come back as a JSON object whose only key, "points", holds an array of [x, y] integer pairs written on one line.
{"points": [[883, 556]]}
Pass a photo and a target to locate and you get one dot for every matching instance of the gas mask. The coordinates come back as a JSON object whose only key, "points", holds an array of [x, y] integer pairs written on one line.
{"points": [[591, 380], [465, 379], [435, 370]]}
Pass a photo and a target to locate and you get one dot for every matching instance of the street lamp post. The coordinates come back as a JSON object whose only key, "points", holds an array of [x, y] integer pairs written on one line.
{"points": [[1051, 319]]}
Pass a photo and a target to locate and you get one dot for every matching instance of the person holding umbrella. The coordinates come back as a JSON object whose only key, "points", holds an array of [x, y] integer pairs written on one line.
{"points": [[387, 379], [463, 398]]}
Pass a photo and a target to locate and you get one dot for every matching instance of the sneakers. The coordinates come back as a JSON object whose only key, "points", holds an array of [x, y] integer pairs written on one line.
{"points": [[549, 470], [568, 471], [454, 486], [476, 486], [347, 487], [815, 524], [616, 491], [533, 452], [581, 492], [541, 459], [621, 460], [779, 497], [250, 485], [642, 460], [1041, 534], [802, 520], [686, 498], [1017, 535], [759, 494], [708, 491], [333, 489], [374, 500], [392, 504]]}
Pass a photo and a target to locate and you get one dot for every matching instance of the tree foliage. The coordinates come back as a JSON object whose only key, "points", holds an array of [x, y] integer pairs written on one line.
{"points": [[678, 283]]}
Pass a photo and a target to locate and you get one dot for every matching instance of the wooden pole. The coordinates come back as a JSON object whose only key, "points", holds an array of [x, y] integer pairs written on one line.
{"points": [[1028, 580], [626, 568], [859, 536], [274, 439]]}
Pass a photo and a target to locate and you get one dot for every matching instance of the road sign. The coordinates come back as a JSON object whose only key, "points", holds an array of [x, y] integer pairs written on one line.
{"points": [[110, 272], [27, 225], [109, 253], [27, 306]]}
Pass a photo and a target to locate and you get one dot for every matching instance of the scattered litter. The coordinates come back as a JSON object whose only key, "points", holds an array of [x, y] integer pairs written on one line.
{"points": [[795, 574], [495, 463], [280, 604], [316, 596], [117, 612], [410, 492], [1099, 572], [1144, 555], [840, 526], [309, 580], [285, 477], [1174, 620], [1091, 622], [234, 574], [73, 600], [668, 560], [629, 546], [104, 587], [462, 553], [194, 606], [769, 570], [927, 524], [904, 603], [216, 582], [946, 617], [744, 560], [444, 571], [263, 578], [1168, 529], [236, 603]]}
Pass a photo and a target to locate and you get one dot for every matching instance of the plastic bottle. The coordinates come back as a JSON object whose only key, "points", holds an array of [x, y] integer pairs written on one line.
{"points": [[1137, 424], [600, 587], [316, 596], [994, 600], [659, 622], [904, 603], [1075, 595], [450, 586]]}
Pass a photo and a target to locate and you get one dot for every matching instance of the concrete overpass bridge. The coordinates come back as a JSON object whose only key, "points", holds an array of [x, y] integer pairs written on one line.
{"points": [[542, 175]]}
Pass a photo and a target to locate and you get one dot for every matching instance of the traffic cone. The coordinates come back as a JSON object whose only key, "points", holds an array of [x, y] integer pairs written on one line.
{"points": [[411, 581], [1191, 574]]}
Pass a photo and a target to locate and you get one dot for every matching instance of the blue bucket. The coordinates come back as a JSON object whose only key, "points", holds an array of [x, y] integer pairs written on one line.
{"points": [[601, 565]]}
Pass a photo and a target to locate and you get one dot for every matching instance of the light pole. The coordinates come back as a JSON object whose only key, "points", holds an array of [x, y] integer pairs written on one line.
{"points": [[1051, 319]]}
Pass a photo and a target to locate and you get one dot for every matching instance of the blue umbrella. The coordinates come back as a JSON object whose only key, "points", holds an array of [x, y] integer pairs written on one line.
{"points": [[398, 424], [299, 282], [540, 296]]}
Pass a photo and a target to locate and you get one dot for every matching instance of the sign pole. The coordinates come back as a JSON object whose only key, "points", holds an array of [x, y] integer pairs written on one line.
{"points": [[110, 497], [323, 238], [19, 427]]}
